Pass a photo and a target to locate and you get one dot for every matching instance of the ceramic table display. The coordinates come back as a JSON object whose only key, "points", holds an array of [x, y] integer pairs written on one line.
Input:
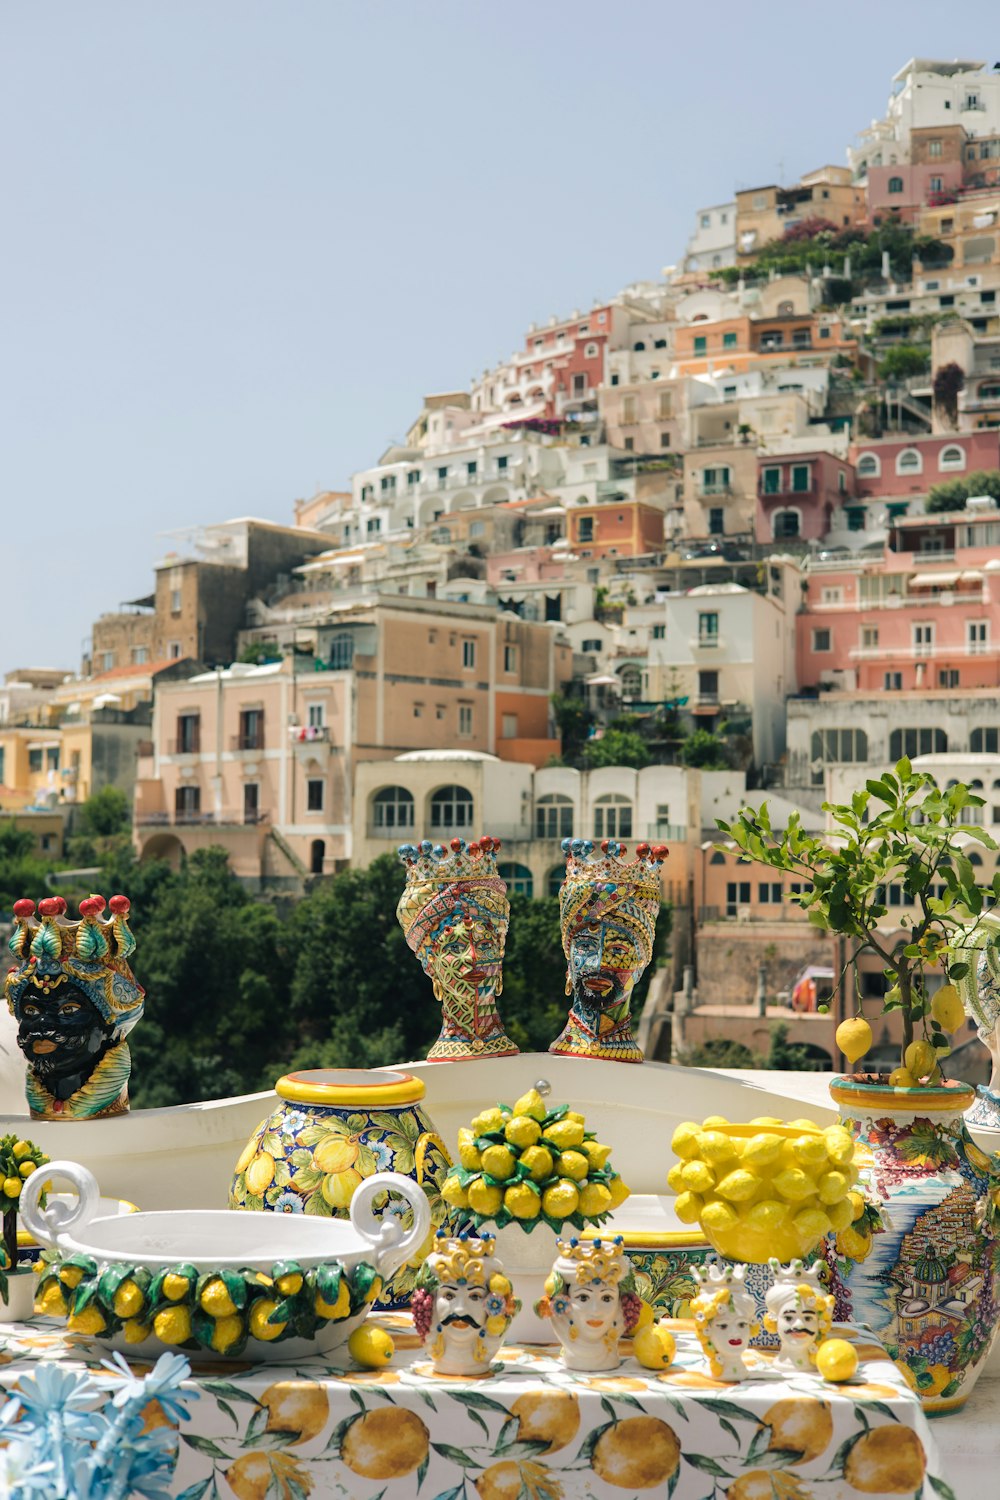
{"points": [[19, 1160], [261, 1288], [526, 1172], [607, 911], [724, 1319], [463, 1304], [328, 1132], [591, 1299], [454, 914], [979, 996], [799, 1311], [766, 1189], [75, 1000]]}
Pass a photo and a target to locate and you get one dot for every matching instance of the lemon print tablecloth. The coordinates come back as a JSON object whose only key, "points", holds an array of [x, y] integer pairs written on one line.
{"points": [[532, 1431]]}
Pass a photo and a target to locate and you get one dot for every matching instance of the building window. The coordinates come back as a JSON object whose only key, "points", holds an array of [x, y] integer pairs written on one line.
{"points": [[664, 439], [251, 736], [413, 476], [716, 521], [708, 628], [107, 661], [510, 658], [869, 637], [934, 147], [706, 220], [772, 481], [935, 184], [769, 892], [659, 632], [554, 817], [952, 457], [664, 404], [895, 184], [612, 817], [855, 518], [821, 640], [923, 635], [579, 385], [948, 677], [251, 802], [451, 807], [418, 710], [701, 344], [977, 636], [585, 528], [518, 878], [468, 653], [869, 466], [708, 688], [34, 760], [314, 795], [175, 601], [836, 747], [592, 645], [909, 462], [628, 444], [373, 525], [785, 523], [729, 341], [892, 682], [509, 726], [392, 808], [590, 351], [140, 655], [174, 650], [985, 741], [465, 721], [188, 734], [715, 481], [913, 742], [315, 715], [187, 804], [800, 479], [737, 895]]}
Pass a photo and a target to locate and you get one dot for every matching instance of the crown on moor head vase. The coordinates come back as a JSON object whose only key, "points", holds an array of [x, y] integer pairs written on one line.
{"points": [[607, 911], [454, 914], [75, 1000]]}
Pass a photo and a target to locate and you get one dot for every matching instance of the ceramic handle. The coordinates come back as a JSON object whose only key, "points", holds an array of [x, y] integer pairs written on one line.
{"points": [[392, 1243], [51, 1225]]}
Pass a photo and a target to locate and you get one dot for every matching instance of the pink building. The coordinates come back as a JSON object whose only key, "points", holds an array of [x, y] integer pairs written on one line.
{"points": [[924, 615], [798, 495], [902, 190], [905, 465]]}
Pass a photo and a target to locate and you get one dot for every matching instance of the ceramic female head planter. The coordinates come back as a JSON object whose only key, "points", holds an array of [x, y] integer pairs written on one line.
{"points": [[799, 1311], [723, 1318], [463, 1304], [607, 912], [591, 1298], [75, 1000], [454, 914]]}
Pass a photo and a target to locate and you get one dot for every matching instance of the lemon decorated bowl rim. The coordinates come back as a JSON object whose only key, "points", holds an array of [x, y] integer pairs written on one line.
{"points": [[359, 1088]]}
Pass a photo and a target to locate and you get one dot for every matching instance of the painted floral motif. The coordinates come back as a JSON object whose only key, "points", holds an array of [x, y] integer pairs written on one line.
{"points": [[311, 1159], [533, 1430], [926, 1275]]}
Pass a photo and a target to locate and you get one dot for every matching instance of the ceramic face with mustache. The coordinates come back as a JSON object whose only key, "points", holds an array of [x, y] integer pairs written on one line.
{"points": [[460, 1324], [62, 1035]]}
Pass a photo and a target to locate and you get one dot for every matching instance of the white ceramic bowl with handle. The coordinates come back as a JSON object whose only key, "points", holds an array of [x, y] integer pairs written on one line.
{"points": [[221, 1247]]}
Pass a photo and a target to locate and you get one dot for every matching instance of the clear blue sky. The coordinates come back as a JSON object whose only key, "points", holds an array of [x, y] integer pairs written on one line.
{"points": [[241, 240]]}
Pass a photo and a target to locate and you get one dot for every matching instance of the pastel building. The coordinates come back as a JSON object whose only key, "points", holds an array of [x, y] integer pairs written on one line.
{"points": [[713, 239], [799, 495]]}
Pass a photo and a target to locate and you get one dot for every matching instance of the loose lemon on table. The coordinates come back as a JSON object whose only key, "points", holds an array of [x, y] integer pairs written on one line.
{"points": [[919, 1058], [370, 1346], [854, 1038], [836, 1359], [654, 1347], [646, 1317], [946, 1008]]}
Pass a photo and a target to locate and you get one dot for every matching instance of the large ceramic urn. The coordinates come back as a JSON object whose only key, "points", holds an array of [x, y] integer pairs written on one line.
{"points": [[328, 1132], [928, 1280]]}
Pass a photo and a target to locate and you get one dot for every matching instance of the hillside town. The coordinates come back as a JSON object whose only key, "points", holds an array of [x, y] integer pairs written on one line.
{"points": [[730, 536]]}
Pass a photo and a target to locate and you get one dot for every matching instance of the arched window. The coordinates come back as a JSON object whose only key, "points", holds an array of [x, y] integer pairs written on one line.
{"points": [[451, 807], [638, 346], [718, 858], [909, 462], [974, 858], [612, 817], [985, 741], [316, 851], [554, 817], [785, 523], [951, 457], [895, 184], [630, 677], [869, 466], [518, 878], [392, 808], [554, 880], [590, 352], [913, 742]]}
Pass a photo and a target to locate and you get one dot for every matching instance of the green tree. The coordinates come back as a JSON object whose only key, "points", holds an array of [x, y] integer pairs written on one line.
{"points": [[573, 719], [22, 872], [904, 360], [106, 813], [704, 750], [534, 1003], [616, 747], [719, 1052], [790, 1056], [953, 494]]}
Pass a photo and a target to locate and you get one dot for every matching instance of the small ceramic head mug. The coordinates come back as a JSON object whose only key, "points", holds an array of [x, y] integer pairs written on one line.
{"points": [[463, 1304], [799, 1311], [591, 1297], [723, 1318]]}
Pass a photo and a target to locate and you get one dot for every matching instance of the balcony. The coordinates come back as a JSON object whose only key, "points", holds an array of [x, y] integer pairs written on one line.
{"points": [[707, 643], [707, 700], [311, 734], [179, 819], [888, 654], [254, 741], [189, 744]]}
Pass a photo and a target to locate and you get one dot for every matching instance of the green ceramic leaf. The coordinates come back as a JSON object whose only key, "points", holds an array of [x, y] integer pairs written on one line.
{"points": [[282, 1174], [327, 1280]]}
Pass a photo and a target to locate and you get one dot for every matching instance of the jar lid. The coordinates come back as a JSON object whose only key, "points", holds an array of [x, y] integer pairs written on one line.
{"points": [[358, 1088]]}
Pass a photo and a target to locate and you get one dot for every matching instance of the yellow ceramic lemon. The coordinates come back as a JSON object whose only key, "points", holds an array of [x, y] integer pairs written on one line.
{"points": [[489, 1120], [498, 1161], [522, 1131], [484, 1199], [128, 1299], [468, 1153], [538, 1160], [561, 1199], [565, 1133], [572, 1164], [836, 1359], [334, 1310], [595, 1199], [531, 1104], [654, 1347], [260, 1327], [173, 1325], [216, 1301], [370, 1346], [90, 1321], [522, 1201], [227, 1332]]}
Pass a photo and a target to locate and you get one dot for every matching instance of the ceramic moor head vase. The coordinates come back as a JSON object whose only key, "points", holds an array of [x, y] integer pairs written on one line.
{"points": [[328, 1132], [928, 1281], [454, 914], [607, 911], [799, 1312], [591, 1298], [75, 1000], [463, 1304], [260, 1287]]}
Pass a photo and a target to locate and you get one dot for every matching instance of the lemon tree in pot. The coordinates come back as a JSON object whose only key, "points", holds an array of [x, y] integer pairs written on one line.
{"points": [[928, 1278]]}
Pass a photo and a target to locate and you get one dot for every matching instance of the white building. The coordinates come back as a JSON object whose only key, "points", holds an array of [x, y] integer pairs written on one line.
{"points": [[926, 94], [713, 241]]}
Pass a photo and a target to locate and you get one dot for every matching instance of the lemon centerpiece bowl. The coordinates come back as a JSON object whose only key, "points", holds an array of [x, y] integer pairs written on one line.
{"points": [[250, 1286], [765, 1189]]}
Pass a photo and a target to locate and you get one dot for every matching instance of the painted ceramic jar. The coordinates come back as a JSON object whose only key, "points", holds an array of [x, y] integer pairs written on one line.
{"points": [[928, 1280], [329, 1131]]}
